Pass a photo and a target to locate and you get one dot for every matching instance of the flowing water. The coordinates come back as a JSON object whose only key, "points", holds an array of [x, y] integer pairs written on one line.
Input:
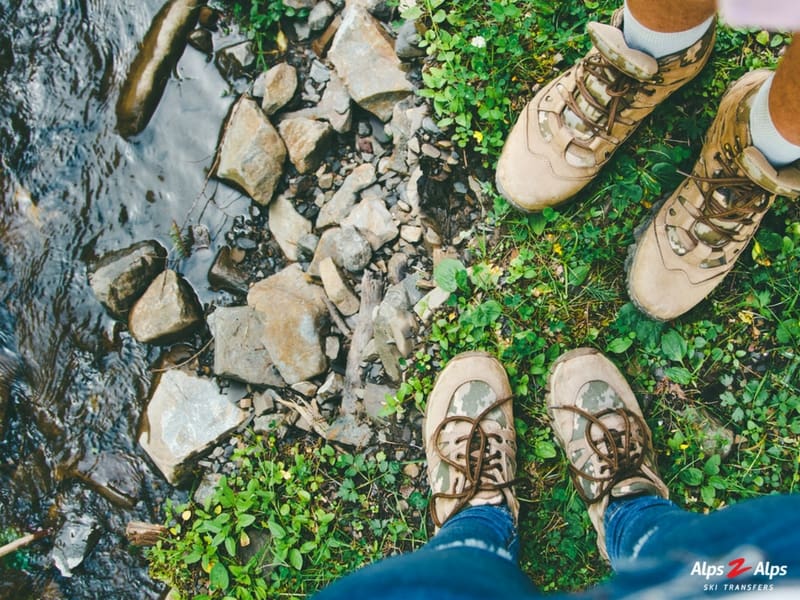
{"points": [[73, 189]]}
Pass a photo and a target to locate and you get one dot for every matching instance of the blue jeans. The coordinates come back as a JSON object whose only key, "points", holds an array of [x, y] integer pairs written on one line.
{"points": [[653, 546]]}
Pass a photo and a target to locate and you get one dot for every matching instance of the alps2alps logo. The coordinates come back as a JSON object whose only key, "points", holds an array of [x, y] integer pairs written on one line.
{"points": [[738, 567]]}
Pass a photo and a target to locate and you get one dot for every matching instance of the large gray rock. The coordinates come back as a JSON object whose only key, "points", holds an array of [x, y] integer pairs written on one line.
{"points": [[351, 250], [252, 153], [339, 206], [374, 221], [186, 416], [76, 538], [292, 311], [306, 140], [120, 277], [279, 86], [167, 309], [240, 349], [288, 226], [365, 59]]}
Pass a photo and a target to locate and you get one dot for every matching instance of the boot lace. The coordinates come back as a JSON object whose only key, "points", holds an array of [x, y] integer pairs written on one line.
{"points": [[480, 462], [617, 85], [620, 452], [730, 202]]}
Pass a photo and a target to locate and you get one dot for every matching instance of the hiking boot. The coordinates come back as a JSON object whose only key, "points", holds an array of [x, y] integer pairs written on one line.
{"points": [[703, 227], [603, 433], [470, 441], [574, 124]]}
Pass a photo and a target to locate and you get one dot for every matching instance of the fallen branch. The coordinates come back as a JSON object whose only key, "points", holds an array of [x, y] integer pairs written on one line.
{"points": [[25, 540], [371, 292], [140, 533], [309, 412]]}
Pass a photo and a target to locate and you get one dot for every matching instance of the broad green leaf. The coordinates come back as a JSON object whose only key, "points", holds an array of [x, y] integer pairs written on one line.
{"points": [[218, 577], [545, 449], [679, 375], [276, 530], [673, 345], [444, 274], [295, 558], [620, 344], [692, 476]]}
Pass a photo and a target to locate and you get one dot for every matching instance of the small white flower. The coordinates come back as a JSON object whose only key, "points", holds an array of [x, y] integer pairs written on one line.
{"points": [[478, 41]]}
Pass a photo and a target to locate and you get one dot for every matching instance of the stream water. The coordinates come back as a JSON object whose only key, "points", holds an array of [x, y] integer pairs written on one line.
{"points": [[73, 189]]}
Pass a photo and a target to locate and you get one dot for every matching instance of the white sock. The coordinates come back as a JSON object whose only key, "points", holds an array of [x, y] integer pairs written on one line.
{"points": [[776, 148], [657, 43]]}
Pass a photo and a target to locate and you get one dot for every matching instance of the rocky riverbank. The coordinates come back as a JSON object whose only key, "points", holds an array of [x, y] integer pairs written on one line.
{"points": [[356, 197]]}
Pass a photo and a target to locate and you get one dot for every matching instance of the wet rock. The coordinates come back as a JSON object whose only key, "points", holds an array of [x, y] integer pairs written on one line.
{"points": [[373, 220], [236, 61], [252, 153], [76, 538], [339, 206], [307, 142], [406, 46], [375, 400], [200, 39], [159, 53], [116, 477], [337, 289], [239, 348], [288, 226], [365, 59], [279, 85], [292, 311], [167, 309], [120, 277], [393, 330], [186, 416], [351, 250], [321, 15], [226, 275]]}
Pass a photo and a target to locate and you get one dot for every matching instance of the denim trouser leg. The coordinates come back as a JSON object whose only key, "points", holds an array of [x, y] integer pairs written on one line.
{"points": [[651, 538], [474, 556]]}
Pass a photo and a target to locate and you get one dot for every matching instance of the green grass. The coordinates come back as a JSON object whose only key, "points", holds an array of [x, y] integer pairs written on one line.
{"points": [[291, 518], [549, 282]]}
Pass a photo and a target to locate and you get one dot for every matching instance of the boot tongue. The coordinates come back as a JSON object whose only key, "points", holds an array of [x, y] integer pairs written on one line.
{"points": [[610, 42]]}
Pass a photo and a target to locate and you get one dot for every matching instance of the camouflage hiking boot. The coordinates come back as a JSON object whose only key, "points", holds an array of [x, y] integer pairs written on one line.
{"points": [[574, 124], [470, 441], [703, 227], [603, 433]]}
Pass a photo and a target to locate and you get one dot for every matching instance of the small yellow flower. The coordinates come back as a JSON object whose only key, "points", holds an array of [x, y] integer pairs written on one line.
{"points": [[745, 316], [478, 135], [557, 249], [684, 446]]}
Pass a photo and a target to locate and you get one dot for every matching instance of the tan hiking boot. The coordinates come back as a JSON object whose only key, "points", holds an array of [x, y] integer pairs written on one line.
{"points": [[574, 124], [603, 433], [470, 441], [703, 227]]}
